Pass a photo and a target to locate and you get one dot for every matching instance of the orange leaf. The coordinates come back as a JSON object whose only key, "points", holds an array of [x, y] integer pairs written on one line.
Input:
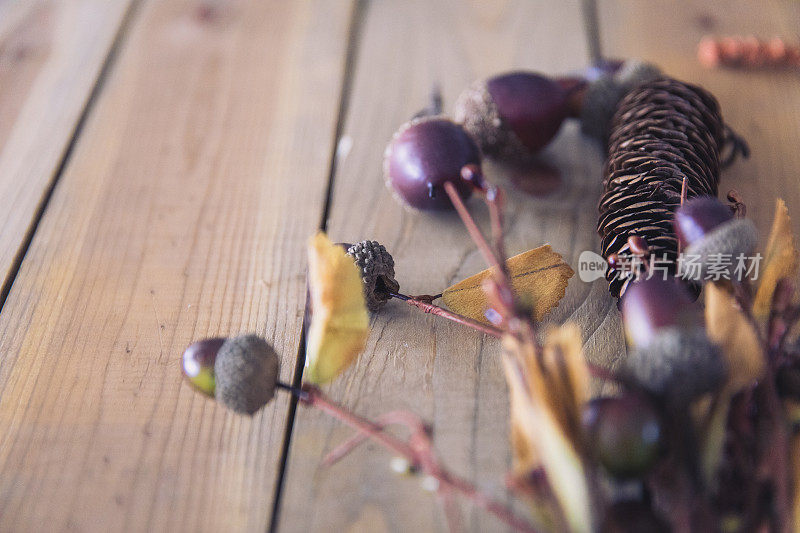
{"points": [[539, 277], [780, 259]]}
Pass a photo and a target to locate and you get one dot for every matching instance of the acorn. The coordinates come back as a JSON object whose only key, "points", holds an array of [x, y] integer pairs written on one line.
{"points": [[376, 266], [514, 115], [655, 303], [624, 433], [601, 96], [246, 373], [672, 357], [425, 153], [706, 226], [198, 364]]}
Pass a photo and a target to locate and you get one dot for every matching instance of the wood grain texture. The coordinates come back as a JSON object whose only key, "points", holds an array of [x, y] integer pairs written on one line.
{"points": [[449, 375], [763, 105], [183, 213], [51, 54]]}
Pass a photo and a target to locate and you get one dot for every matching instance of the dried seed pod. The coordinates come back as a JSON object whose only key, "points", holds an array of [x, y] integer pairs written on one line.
{"points": [[425, 153], [246, 373], [512, 116], [376, 266], [663, 131]]}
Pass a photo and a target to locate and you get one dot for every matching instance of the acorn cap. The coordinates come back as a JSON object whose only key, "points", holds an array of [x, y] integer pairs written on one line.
{"points": [[732, 238], [376, 266], [604, 94], [246, 373], [678, 365], [476, 110]]}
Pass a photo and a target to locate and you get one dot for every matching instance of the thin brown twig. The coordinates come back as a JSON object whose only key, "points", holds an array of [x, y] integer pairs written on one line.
{"points": [[495, 262], [417, 450]]}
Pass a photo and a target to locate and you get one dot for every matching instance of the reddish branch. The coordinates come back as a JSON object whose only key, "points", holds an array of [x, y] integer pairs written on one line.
{"points": [[418, 450]]}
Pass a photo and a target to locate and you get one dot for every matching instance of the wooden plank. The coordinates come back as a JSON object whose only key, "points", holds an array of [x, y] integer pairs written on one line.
{"points": [[763, 106], [450, 376], [183, 213], [51, 54]]}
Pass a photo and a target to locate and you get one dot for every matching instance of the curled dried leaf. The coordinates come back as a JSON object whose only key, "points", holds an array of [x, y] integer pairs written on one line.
{"points": [[539, 278], [339, 321], [548, 390], [781, 259]]}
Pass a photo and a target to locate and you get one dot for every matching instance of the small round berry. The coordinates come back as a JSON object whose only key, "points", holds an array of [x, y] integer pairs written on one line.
{"points": [[624, 433], [513, 115], [655, 303], [632, 517], [198, 364], [424, 154], [247, 373], [376, 266]]}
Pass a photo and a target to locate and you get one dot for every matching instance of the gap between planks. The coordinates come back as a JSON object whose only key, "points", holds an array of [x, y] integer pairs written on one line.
{"points": [[356, 24], [97, 88]]}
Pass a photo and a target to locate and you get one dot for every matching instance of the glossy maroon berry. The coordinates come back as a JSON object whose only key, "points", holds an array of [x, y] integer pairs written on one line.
{"points": [[514, 115], [624, 433], [632, 517], [698, 217], [198, 364], [655, 303], [424, 154]]}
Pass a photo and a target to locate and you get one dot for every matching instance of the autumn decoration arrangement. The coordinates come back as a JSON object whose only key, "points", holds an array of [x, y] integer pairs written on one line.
{"points": [[701, 431]]}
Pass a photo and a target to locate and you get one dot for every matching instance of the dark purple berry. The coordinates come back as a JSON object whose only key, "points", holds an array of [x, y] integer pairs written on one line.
{"points": [[698, 217], [198, 364], [632, 517], [514, 115], [624, 433], [423, 155], [655, 303]]}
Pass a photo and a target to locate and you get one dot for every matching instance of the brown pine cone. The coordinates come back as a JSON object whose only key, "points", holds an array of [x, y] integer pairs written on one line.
{"points": [[663, 130], [376, 266]]}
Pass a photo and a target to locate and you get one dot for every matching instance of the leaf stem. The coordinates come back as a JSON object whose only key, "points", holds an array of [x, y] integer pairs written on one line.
{"points": [[426, 307]]}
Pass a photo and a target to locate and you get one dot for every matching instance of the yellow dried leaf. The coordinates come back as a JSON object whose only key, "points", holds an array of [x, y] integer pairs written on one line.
{"points": [[727, 327], [546, 396], [339, 319], [539, 277], [781, 259]]}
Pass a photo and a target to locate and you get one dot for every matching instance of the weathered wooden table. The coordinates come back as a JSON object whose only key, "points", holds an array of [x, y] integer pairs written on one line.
{"points": [[162, 163]]}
